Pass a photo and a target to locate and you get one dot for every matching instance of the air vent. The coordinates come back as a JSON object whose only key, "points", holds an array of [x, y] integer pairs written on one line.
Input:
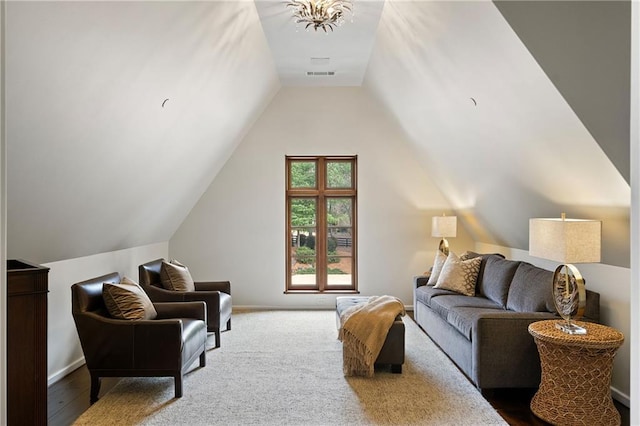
{"points": [[320, 61], [320, 73]]}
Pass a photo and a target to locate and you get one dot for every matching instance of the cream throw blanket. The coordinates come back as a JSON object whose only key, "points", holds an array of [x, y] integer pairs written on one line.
{"points": [[363, 330]]}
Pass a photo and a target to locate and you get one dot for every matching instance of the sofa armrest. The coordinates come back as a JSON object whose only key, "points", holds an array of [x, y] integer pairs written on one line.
{"points": [[110, 343], [169, 310], [223, 286], [505, 354], [420, 280], [157, 294], [157, 344]]}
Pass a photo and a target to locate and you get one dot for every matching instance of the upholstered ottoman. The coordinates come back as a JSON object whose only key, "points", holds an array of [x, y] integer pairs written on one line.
{"points": [[392, 352]]}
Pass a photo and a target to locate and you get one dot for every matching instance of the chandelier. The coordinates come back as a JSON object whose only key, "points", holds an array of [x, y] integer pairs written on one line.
{"points": [[325, 14]]}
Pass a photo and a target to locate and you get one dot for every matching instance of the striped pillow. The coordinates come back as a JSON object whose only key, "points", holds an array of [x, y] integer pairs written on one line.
{"points": [[127, 300], [176, 277]]}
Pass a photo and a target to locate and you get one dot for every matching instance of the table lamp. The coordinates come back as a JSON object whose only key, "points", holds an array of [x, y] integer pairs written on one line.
{"points": [[566, 241], [443, 227]]}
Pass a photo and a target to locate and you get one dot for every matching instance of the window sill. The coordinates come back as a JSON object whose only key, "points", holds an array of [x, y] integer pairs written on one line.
{"points": [[321, 292]]}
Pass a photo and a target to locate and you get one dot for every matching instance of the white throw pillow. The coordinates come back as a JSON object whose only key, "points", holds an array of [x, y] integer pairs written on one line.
{"points": [[459, 275], [438, 263]]}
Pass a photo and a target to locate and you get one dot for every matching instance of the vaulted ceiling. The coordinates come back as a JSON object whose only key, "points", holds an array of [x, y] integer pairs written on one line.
{"points": [[120, 114]]}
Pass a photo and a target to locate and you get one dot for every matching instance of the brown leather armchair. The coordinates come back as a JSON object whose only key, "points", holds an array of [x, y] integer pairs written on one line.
{"points": [[162, 347], [216, 294]]}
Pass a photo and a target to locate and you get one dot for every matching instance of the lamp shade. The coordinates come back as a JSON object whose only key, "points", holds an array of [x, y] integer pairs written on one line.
{"points": [[444, 226], [565, 240]]}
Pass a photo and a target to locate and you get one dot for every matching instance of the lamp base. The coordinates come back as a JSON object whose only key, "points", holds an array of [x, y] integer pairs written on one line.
{"points": [[570, 328], [444, 246]]}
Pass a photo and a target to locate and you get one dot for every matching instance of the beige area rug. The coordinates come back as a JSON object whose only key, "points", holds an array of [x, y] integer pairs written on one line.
{"points": [[285, 368]]}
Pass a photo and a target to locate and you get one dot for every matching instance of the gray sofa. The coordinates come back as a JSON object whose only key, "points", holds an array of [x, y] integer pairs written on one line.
{"points": [[486, 335]]}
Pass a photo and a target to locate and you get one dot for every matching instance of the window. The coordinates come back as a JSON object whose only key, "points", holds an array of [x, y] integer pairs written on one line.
{"points": [[321, 227]]}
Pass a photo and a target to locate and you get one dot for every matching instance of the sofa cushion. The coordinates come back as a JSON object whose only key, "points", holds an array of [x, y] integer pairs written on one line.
{"points": [[438, 263], [496, 276], [176, 277], [424, 294], [443, 304], [459, 275], [530, 290], [127, 300], [463, 318]]}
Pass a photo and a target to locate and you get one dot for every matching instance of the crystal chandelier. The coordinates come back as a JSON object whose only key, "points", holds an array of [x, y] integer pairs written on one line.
{"points": [[324, 14]]}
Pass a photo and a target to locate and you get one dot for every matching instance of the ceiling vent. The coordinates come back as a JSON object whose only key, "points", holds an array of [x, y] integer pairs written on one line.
{"points": [[321, 73], [320, 61]]}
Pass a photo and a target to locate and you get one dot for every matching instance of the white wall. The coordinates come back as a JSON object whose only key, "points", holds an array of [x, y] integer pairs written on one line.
{"points": [[3, 231], [635, 212], [237, 229], [64, 351], [613, 284]]}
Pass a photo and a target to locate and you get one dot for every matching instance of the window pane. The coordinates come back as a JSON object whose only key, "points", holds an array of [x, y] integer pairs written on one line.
{"points": [[339, 240], [303, 212], [303, 256], [303, 174], [339, 257], [339, 174], [339, 245], [339, 270], [339, 212]]}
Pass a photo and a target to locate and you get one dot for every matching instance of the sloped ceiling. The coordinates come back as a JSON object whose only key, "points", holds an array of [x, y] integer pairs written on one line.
{"points": [[119, 115], [584, 47], [494, 132]]}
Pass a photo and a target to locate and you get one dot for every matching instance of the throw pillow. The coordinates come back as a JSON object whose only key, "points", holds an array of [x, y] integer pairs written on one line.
{"points": [[127, 300], [176, 277], [469, 255], [438, 263], [459, 275]]}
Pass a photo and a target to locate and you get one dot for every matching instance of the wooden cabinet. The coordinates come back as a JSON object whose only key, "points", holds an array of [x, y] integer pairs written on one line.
{"points": [[27, 287]]}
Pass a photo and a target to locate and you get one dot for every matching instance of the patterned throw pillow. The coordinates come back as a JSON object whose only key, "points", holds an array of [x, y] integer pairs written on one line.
{"points": [[128, 301], [176, 277], [469, 255], [459, 275], [438, 263]]}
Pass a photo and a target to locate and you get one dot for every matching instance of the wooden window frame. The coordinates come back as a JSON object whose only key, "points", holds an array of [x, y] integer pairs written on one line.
{"points": [[320, 193]]}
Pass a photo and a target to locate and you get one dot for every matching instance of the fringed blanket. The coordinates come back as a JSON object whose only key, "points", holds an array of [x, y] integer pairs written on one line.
{"points": [[363, 330]]}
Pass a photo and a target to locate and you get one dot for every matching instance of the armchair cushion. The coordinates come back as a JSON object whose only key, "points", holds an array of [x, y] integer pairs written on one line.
{"points": [[175, 276], [127, 300]]}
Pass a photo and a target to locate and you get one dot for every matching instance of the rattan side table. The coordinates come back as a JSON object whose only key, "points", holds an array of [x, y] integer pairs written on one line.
{"points": [[576, 374]]}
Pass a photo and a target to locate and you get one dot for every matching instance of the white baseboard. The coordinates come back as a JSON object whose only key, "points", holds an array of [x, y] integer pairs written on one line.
{"points": [[58, 375], [281, 308], [622, 398]]}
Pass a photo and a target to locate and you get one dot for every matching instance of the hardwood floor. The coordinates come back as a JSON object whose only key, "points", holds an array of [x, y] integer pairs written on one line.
{"points": [[69, 398], [513, 406]]}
